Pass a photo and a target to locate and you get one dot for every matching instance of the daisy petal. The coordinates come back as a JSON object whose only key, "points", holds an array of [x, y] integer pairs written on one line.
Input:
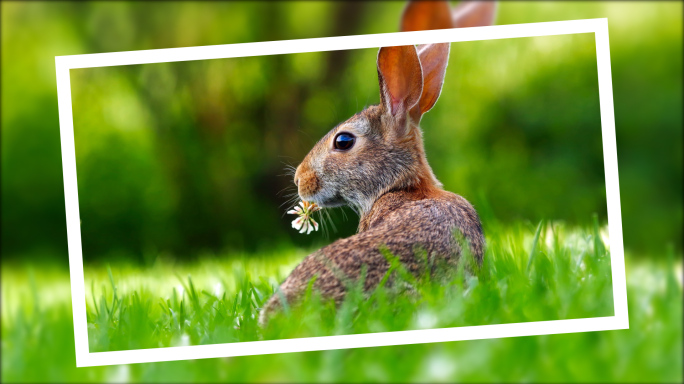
{"points": [[297, 223]]}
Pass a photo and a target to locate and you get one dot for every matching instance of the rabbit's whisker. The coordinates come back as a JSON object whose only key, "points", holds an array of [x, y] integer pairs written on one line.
{"points": [[323, 224], [344, 213], [291, 201], [332, 222], [286, 189]]}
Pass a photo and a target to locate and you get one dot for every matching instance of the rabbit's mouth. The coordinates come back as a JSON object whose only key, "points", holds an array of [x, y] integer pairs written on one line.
{"points": [[328, 201]]}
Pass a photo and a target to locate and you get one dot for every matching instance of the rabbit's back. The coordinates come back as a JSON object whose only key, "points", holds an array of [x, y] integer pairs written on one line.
{"points": [[405, 225], [430, 219], [408, 227]]}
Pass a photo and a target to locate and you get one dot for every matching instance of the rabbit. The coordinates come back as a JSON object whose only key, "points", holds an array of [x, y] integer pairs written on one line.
{"points": [[375, 162]]}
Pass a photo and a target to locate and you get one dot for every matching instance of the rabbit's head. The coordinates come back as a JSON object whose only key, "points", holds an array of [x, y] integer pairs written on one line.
{"points": [[381, 148]]}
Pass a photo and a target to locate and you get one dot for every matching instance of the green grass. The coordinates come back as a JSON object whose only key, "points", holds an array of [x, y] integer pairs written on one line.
{"points": [[530, 273]]}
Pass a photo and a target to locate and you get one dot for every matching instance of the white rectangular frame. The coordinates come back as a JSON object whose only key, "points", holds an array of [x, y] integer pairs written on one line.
{"points": [[85, 358]]}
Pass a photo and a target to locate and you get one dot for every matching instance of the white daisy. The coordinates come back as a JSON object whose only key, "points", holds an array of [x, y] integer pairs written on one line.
{"points": [[305, 221]]}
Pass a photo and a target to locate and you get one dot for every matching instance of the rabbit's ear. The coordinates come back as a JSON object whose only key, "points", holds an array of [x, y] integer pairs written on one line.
{"points": [[401, 79], [423, 15], [473, 14], [433, 60]]}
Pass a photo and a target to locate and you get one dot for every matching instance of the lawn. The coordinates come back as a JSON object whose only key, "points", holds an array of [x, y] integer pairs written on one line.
{"points": [[531, 272]]}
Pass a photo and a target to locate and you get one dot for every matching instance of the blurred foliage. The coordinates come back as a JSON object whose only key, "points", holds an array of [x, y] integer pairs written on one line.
{"points": [[186, 157], [179, 156]]}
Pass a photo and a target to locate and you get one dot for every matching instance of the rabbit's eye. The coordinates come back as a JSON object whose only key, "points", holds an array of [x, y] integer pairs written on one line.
{"points": [[344, 141]]}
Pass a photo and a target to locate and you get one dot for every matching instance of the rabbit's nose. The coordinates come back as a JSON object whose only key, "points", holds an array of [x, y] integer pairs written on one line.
{"points": [[298, 175]]}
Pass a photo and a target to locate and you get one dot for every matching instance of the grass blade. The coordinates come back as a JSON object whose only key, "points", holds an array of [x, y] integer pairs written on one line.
{"points": [[534, 246]]}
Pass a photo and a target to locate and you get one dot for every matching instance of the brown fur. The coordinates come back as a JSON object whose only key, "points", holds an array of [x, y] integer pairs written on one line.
{"points": [[413, 212], [386, 178]]}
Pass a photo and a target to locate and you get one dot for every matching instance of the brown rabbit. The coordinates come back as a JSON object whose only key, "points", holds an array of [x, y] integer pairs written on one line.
{"points": [[375, 163]]}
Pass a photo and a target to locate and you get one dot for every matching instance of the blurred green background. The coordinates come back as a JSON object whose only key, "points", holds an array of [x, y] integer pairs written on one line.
{"points": [[186, 159]]}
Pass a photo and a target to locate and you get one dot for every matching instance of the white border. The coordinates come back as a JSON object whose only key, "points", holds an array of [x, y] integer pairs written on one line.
{"points": [[78, 293]]}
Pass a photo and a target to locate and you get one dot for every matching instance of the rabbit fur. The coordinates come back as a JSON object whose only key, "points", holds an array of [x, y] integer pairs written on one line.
{"points": [[385, 176]]}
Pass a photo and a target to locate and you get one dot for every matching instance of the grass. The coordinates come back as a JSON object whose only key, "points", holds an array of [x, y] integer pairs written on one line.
{"points": [[530, 273]]}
